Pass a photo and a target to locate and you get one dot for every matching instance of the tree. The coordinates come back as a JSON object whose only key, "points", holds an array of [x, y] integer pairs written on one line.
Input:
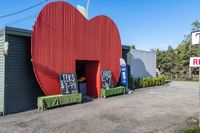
{"points": [[133, 46], [174, 63], [195, 25], [165, 60]]}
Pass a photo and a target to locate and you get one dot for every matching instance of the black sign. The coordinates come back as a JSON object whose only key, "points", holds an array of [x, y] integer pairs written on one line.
{"points": [[106, 77], [68, 83]]}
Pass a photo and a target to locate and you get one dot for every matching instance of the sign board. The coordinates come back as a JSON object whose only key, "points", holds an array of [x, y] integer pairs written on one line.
{"points": [[124, 76], [194, 61], [106, 77], [68, 83], [196, 37]]}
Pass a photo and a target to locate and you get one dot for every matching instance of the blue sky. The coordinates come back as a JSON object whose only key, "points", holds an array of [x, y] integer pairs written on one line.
{"points": [[148, 24]]}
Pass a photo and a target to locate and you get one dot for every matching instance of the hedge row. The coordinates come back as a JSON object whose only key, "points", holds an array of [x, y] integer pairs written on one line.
{"points": [[52, 101], [147, 82], [112, 91]]}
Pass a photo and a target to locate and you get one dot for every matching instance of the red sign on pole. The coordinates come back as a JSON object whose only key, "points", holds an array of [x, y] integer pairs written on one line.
{"points": [[194, 61]]}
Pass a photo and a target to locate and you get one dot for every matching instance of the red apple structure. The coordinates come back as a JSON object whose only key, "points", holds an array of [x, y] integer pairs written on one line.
{"points": [[62, 36]]}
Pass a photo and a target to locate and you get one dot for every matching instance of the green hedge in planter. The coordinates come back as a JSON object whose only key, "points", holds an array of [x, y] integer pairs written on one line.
{"points": [[146, 82], [112, 91], [46, 102]]}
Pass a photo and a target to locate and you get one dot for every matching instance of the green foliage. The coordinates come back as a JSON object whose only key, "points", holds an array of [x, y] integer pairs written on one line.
{"points": [[192, 130], [133, 46], [174, 63], [196, 25], [112, 91], [52, 101], [165, 60], [147, 82], [134, 83]]}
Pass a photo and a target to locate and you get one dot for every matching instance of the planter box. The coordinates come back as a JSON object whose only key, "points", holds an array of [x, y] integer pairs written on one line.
{"points": [[112, 91], [46, 102]]}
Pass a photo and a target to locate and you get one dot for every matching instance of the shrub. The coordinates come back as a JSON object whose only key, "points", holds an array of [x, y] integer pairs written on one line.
{"points": [[134, 83], [192, 130], [146, 82]]}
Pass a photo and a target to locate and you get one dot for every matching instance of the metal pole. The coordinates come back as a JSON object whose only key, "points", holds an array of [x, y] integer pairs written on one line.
{"points": [[199, 87], [197, 33], [88, 3], [190, 69]]}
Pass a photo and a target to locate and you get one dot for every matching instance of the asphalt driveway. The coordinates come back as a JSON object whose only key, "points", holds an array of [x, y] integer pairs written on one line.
{"points": [[162, 109]]}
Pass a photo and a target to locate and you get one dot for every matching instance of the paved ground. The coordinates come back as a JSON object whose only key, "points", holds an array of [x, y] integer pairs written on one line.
{"points": [[152, 110]]}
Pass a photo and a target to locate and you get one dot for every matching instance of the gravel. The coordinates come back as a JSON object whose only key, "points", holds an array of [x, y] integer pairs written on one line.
{"points": [[163, 109]]}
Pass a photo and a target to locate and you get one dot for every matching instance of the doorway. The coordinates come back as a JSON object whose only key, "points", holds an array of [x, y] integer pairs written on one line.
{"points": [[90, 71]]}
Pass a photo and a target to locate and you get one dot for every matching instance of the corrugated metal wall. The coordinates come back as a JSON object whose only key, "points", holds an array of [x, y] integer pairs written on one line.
{"points": [[62, 35], [2, 72], [21, 87], [125, 50], [142, 63]]}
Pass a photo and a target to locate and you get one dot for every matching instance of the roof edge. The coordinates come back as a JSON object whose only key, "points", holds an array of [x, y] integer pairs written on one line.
{"points": [[126, 47], [17, 31], [144, 51]]}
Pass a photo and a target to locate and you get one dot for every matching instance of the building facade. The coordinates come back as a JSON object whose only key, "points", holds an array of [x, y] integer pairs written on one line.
{"points": [[142, 63], [18, 86]]}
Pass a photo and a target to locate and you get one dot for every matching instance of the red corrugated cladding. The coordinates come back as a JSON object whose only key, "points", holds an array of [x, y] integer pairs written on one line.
{"points": [[61, 36]]}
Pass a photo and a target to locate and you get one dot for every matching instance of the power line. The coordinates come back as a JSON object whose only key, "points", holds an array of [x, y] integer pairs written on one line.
{"points": [[14, 13], [20, 20]]}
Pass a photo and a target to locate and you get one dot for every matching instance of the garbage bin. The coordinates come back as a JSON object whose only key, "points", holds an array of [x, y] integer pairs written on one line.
{"points": [[83, 88], [82, 85]]}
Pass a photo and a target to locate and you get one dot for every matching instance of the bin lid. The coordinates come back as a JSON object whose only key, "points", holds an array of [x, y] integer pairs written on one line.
{"points": [[81, 79], [122, 62]]}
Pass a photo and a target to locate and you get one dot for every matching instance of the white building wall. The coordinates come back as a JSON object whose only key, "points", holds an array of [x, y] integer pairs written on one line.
{"points": [[142, 63]]}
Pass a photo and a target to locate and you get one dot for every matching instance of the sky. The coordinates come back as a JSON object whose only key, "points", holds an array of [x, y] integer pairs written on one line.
{"points": [[149, 24]]}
